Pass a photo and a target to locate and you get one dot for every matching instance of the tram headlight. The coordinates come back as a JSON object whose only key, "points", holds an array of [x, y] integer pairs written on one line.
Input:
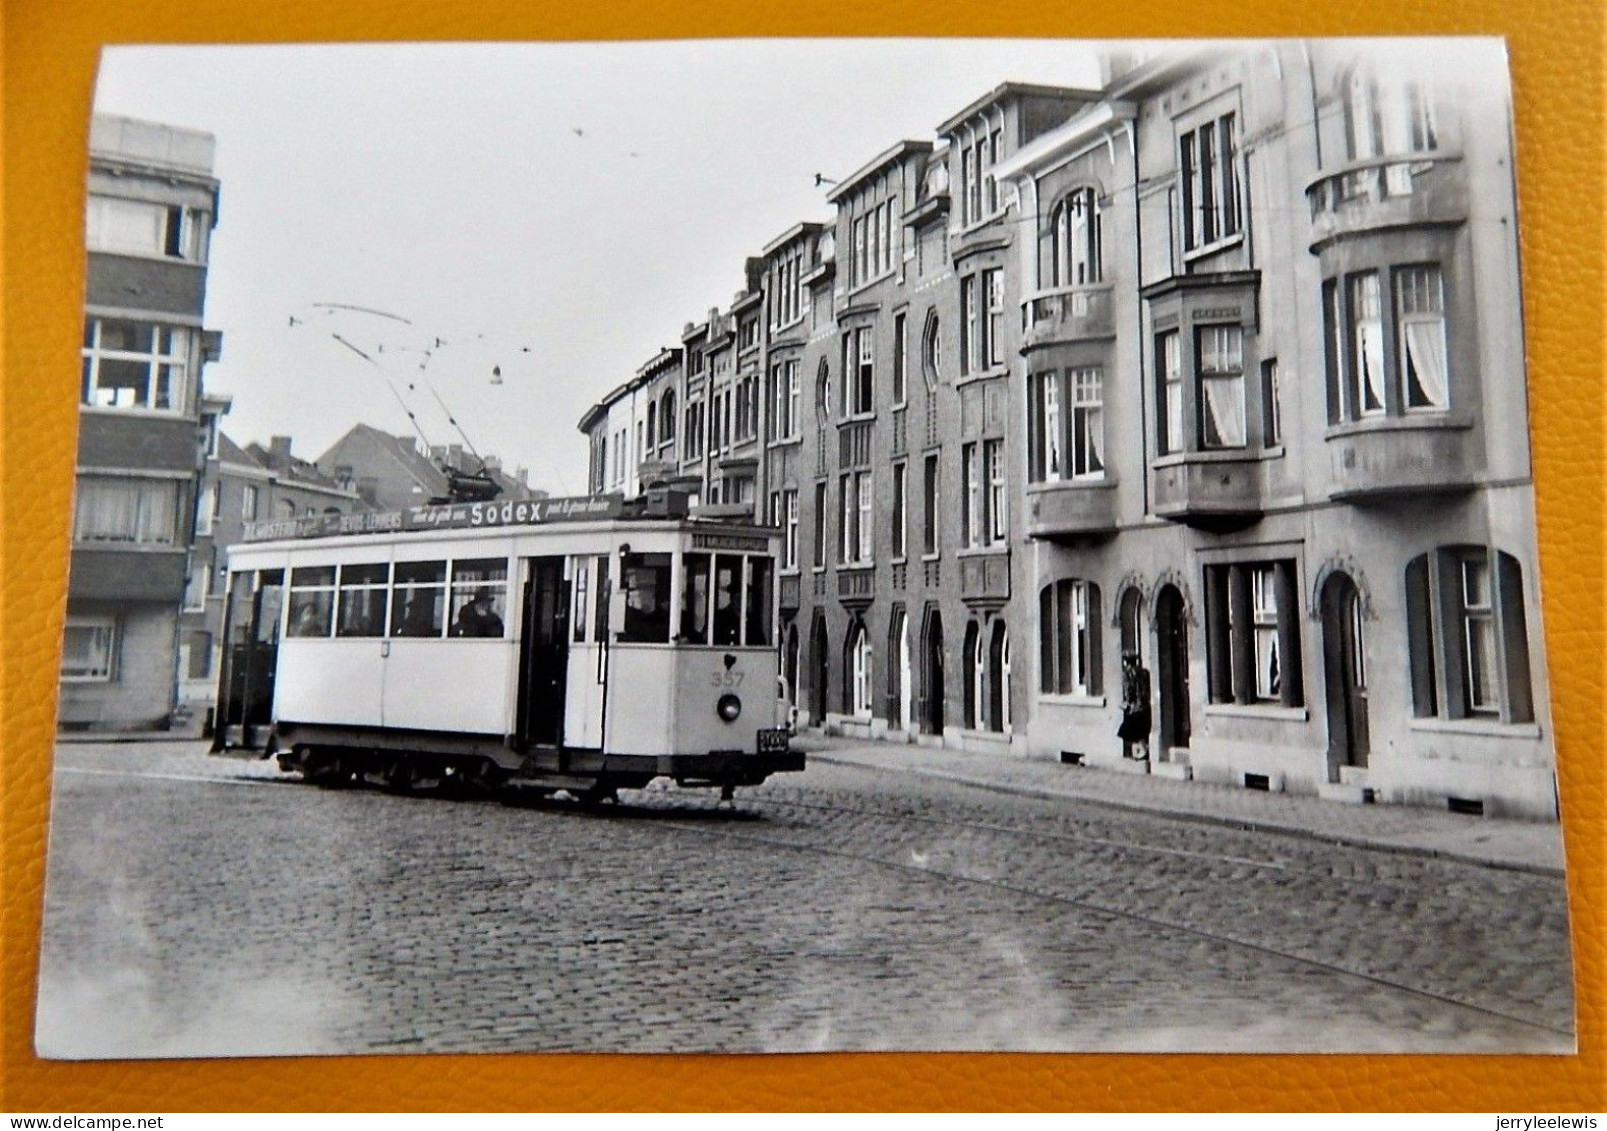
{"points": [[729, 707]]}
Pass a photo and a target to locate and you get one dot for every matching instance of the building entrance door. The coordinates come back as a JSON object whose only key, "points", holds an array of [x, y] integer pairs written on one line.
{"points": [[933, 685], [1345, 666], [1172, 662], [817, 672]]}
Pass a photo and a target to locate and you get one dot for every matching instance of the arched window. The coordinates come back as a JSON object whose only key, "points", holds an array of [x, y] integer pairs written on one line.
{"points": [[823, 405], [1475, 594], [932, 350], [1069, 645], [1386, 116], [1075, 237], [666, 420]]}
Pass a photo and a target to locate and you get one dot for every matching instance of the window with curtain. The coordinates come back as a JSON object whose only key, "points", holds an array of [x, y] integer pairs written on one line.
{"points": [[1420, 318], [1087, 424], [1388, 353], [135, 511], [1221, 369]]}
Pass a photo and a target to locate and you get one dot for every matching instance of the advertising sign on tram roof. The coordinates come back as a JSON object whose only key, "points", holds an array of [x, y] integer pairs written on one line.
{"points": [[441, 516]]}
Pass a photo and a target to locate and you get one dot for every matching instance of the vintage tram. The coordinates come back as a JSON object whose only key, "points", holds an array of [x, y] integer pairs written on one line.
{"points": [[583, 644]]}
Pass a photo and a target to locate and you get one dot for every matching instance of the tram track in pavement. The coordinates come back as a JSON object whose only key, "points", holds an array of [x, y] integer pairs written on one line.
{"points": [[764, 817], [925, 870]]}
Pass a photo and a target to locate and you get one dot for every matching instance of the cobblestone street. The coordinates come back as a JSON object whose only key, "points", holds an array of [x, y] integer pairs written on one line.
{"points": [[202, 906]]}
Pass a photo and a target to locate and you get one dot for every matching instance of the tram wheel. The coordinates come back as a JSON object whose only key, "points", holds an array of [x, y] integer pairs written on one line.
{"points": [[399, 777], [599, 793]]}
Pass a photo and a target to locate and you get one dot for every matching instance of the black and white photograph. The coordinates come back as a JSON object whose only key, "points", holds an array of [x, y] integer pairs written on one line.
{"points": [[783, 546]]}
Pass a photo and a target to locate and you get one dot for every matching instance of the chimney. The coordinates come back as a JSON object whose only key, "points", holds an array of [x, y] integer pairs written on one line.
{"points": [[437, 453], [493, 463], [454, 456], [279, 450]]}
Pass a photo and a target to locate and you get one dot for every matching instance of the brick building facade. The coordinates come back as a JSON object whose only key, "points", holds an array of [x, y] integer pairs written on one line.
{"points": [[1221, 365]]}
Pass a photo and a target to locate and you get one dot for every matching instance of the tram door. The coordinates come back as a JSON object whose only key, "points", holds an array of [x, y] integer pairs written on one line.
{"points": [[250, 655], [544, 654]]}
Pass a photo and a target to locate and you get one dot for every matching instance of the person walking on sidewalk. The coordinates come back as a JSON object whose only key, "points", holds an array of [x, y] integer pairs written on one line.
{"points": [[1135, 726]]}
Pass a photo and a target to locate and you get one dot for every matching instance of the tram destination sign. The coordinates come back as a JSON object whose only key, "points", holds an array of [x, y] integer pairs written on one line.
{"points": [[441, 516]]}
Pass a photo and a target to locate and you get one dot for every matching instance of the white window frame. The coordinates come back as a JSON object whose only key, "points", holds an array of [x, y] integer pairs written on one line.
{"points": [[173, 357], [1087, 424], [103, 641]]}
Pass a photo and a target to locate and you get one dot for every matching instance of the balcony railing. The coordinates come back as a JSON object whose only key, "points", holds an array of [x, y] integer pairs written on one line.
{"points": [[1393, 191], [1069, 314]]}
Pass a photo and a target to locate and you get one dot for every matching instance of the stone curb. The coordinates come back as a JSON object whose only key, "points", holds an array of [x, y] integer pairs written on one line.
{"points": [[1351, 840]]}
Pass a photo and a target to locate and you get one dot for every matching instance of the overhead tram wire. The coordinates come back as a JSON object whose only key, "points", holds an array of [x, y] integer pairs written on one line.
{"points": [[389, 384]]}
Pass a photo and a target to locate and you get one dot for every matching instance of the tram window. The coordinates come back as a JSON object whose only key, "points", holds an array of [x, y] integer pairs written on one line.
{"points": [[479, 597], [695, 598], [582, 588], [599, 629], [362, 599], [646, 581], [759, 600], [312, 601], [271, 584], [727, 600], [418, 599]]}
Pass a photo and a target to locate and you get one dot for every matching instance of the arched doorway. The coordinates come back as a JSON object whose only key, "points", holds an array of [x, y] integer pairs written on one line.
{"points": [[1344, 654], [789, 665], [901, 686], [976, 689], [818, 661], [1172, 664], [858, 679], [932, 675], [999, 679]]}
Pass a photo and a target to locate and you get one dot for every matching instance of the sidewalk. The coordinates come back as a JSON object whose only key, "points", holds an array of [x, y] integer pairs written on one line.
{"points": [[1520, 845]]}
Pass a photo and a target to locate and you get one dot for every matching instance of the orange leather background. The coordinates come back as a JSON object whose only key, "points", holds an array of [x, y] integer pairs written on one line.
{"points": [[49, 66]]}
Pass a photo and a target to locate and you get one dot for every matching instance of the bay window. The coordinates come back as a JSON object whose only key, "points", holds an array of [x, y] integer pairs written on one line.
{"points": [[1221, 368], [1387, 350]]}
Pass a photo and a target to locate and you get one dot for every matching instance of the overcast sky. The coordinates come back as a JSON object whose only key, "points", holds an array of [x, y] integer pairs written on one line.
{"points": [[558, 210]]}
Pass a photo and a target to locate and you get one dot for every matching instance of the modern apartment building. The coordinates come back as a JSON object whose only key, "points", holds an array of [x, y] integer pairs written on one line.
{"points": [[152, 203]]}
